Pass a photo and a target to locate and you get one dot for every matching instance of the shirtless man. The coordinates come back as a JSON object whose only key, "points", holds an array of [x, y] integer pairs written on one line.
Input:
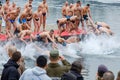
{"points": [[45, 36], [1, 16], [63, 21], [64, 12], [72, 39], [12, 16], [70, 10], [61, 25], [69, 14], [37, 19], [29, 15], [101, 27], [24, 31], [28, 4], [22, 18], [6, 10], [72, 24], [21, 27], [44, 12], [78, 13], [86, 13], [26, 14], [6, 7], [12, 7]]}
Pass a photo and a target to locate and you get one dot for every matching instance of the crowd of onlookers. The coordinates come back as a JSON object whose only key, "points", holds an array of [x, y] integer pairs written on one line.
{"points": [[48, 68]]}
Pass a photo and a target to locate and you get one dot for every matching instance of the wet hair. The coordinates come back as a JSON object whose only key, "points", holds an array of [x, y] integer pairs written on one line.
{"points": [[108, 75], [41, 61], [16, 56], [88, 5], [76, 66], [78, 2], [51, 30], [57, 21]]}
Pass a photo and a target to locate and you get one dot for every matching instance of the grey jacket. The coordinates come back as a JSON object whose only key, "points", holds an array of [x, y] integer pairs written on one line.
{"points": [[36, 73]]}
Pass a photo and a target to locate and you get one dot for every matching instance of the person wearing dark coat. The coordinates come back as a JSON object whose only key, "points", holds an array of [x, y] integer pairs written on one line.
{"points": [[10, 71], [74, 73]]}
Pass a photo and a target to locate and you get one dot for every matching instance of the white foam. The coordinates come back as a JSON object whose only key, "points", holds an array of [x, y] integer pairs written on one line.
{"points": [[106, 1], [100, 45]]}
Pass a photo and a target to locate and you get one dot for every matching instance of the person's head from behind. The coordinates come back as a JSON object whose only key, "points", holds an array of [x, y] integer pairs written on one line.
{"points": [[16, 56], [11, 49], [108, 76], [54, 55], [118, 76], [101, 70], [41, 61], [76, 66]]}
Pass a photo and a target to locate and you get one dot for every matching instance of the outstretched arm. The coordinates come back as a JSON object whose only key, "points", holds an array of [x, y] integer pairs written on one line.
{"points": [[28, 26], [21, 38], [89, 13], [92, 23], [54, 45], [48, 36]]}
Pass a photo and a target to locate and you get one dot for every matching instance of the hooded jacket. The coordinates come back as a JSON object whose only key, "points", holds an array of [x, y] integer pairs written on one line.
{"points": [[10, 71], [36, 73]]}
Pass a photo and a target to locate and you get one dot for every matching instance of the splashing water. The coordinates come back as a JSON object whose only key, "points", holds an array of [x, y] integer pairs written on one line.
{"points": [[95, 45], [100, 45], [106, 1]]}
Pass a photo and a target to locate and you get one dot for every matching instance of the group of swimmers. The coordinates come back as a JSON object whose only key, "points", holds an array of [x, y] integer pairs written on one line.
{"points": [[11, 13], [74, 14]]}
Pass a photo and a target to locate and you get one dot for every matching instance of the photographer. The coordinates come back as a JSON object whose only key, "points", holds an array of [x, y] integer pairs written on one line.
{"points": [[54, 69]]}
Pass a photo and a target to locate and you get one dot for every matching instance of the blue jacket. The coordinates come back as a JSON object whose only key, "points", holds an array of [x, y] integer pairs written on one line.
{"points": [[10, 71], [36, 73]]}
